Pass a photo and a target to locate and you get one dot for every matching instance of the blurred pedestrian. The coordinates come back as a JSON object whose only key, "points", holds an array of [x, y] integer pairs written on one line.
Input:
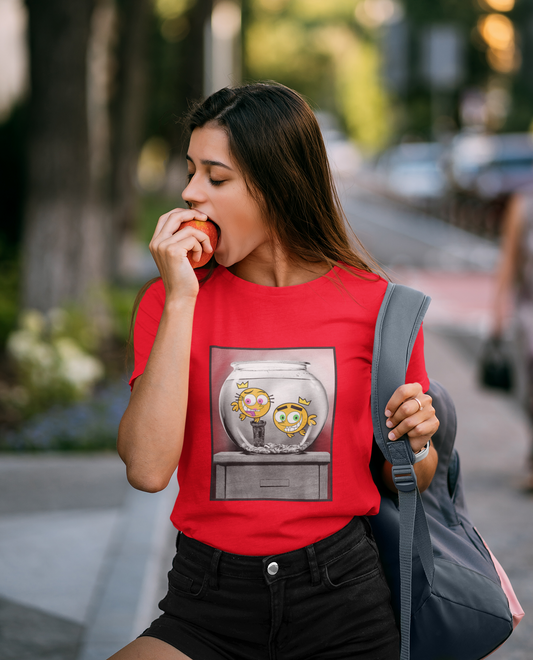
{"points": [[514, 288], [264, 568]]}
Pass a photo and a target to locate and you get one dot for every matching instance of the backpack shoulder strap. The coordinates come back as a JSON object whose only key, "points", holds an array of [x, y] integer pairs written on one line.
{"points": [[397, 327]]}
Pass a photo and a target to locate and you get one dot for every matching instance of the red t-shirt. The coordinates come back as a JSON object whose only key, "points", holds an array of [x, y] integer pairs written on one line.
{"points": [[279, 432]]}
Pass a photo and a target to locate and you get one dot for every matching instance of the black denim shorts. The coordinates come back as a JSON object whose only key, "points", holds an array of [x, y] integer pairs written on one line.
{"points": [[327, 601]]}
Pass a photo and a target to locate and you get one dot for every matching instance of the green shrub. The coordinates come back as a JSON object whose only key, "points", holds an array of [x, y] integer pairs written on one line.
{"points": [[9, 294], [52, 359]]}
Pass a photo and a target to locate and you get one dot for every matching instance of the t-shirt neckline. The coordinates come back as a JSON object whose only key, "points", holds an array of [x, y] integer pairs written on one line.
{"points": [[276, 290]]}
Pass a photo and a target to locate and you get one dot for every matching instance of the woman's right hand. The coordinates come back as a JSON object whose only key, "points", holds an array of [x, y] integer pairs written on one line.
{"points": [[170, 247]]}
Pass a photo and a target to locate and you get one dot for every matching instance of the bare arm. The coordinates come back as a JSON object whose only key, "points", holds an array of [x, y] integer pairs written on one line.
{"points": [[505, 276], [406, 417], [151, 432]]}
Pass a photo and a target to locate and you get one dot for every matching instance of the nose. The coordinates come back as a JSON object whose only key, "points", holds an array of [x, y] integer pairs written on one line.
{"points": [[193, 194]]}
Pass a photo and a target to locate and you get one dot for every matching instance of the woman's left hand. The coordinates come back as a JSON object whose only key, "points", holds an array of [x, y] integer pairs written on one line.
{"points": [[410, 412]]}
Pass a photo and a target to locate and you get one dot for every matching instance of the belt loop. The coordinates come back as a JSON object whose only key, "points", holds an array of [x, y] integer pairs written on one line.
{"points": [[313, 565], [178, 537], [213, 569], [368, 527]]}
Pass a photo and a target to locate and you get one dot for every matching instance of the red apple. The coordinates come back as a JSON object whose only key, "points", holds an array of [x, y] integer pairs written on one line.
{"points": [[208, 228]]}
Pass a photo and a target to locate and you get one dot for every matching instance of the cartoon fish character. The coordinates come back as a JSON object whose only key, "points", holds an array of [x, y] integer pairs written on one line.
{"points": [[252, 402], [292, 418]]}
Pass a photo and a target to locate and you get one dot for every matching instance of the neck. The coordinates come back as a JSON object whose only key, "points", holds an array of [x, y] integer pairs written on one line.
{"points": [[277, 270]]}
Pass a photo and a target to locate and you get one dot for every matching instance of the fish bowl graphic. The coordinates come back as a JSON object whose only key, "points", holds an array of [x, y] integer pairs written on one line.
{"points": [[273, 407]]}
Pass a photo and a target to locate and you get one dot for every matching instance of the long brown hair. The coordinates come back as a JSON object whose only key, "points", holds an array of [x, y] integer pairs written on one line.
{"points": [[277, 144]]}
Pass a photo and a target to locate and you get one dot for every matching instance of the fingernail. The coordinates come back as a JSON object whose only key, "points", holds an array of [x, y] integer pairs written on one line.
{"points": [[388, 413], [389, 424], [392, 436]]}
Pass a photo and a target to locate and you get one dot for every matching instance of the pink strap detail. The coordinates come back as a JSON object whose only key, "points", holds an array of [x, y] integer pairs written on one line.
{"points": [[514, 605]]}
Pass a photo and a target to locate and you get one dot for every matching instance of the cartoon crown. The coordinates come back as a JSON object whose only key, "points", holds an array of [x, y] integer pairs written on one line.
{"points": [[242, 386], [303, 401]]}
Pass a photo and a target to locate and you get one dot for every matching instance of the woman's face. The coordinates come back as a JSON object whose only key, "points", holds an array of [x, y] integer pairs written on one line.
{"points": [[217, 188]]}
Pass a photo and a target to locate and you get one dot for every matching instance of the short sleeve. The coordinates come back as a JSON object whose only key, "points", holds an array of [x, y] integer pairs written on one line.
{"points": [[416, 371], [146, 325]]}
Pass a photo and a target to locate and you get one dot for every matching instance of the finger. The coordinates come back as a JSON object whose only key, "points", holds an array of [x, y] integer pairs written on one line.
{"points": [[401, 394], [170, 222], [189, 239], [415, 426], [411, 407], [200, 237], [179, 245]]}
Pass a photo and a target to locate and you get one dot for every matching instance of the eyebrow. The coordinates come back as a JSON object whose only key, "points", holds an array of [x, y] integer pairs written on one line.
{"points": [[213, 163]]}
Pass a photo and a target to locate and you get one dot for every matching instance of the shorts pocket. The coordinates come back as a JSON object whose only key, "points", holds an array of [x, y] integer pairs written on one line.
{"points": [[359, 563], [186, 578]]}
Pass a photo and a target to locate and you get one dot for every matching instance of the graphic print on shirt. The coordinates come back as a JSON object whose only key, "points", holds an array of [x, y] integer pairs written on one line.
{"points": [[272, 413]]}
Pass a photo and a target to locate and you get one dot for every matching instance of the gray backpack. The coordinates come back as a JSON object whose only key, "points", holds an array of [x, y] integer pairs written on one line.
{"points": [[451, 598]]}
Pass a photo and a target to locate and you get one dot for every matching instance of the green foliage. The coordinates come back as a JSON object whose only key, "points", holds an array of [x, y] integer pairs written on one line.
{"points": [[318, 48], [9, 289], [51, 359], [367, 116], [121, 304]]}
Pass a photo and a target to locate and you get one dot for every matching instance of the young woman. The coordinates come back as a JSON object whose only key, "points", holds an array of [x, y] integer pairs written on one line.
{"points": [[253, 378], [514, 284]]}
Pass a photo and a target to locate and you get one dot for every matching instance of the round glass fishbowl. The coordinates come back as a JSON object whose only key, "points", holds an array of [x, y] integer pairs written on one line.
{"points": [[269, 407]]}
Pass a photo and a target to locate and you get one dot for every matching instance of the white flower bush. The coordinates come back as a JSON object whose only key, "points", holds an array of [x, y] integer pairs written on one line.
{"points": [[77, 367], [52, 366]]}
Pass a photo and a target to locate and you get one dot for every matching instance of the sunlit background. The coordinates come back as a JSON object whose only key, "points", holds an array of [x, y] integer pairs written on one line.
{"points": [[441, 79], [426, 107]]}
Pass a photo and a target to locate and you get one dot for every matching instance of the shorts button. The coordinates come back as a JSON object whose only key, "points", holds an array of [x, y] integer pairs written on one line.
{"points": [[272, 568]]}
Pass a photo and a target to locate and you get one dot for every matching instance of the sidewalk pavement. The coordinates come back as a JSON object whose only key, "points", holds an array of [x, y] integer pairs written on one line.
{"points": [[83, 556]]}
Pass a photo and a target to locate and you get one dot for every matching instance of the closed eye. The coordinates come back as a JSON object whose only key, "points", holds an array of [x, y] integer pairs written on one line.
{"points": [[213, 182]]}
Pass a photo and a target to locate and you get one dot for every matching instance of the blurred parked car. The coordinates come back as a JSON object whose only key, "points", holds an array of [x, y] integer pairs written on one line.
{"points": [[413, 171], [491, 166]]}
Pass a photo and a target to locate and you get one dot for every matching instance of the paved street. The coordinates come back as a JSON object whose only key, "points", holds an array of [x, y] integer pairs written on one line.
{"points": [[83, 556]]}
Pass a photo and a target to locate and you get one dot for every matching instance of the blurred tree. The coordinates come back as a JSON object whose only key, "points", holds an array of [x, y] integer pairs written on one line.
{"points": [[60, 224], [178, 74], [322, 51], [128, 121]]}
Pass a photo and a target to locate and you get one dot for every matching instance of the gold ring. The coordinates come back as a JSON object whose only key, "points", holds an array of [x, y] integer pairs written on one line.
{"points": [[419, 404]]}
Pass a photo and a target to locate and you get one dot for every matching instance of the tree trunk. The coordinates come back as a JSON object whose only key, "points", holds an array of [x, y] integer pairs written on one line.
{"points": [[62, 244], [190, 87], [128, 119]]}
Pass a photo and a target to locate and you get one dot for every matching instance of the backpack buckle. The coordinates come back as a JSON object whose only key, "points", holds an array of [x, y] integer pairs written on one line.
{"points": [[404, 477]]}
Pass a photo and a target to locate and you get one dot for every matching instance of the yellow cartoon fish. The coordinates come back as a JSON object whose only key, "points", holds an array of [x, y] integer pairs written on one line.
{"points": [[252, 402], [291, 418]]}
